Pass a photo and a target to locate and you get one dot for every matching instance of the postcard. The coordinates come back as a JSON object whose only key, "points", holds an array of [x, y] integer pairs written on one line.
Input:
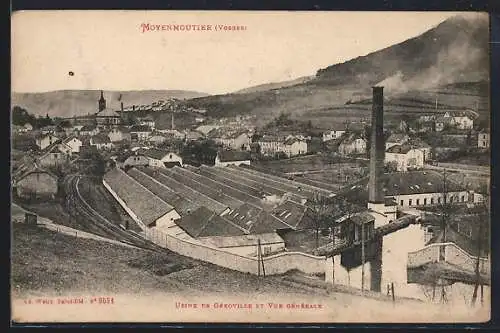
{"points": [[250, 167]]}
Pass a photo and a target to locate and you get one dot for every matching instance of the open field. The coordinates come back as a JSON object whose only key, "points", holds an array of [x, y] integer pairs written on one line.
{"points": [[316, 170]]}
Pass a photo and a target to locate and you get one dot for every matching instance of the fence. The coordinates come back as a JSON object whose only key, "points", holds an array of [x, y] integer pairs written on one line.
{"points": [[275, 264], [453, 254]]}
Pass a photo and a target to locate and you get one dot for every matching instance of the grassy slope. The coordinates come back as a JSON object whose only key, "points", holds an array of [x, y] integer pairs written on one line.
{"points": [[450, 57], [45, 261]]}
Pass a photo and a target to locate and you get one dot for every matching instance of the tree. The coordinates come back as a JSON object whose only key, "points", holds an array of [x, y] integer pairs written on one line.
{"points": [[482, 236], [21, 116], [319, 206]]}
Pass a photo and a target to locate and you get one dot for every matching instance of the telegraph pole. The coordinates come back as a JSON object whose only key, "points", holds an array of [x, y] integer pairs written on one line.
{"points": [[362, 257]]}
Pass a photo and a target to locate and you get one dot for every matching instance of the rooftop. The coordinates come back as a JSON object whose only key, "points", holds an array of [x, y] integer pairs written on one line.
{"points": [[108, 113], [414, 182], [100, 139], [233, 155], [400, 149], [147, 206], [397, 137], [202, 223], [140, 128]]}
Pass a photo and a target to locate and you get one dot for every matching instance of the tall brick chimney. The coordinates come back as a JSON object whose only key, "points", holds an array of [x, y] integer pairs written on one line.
{"points": [[377, 151]]}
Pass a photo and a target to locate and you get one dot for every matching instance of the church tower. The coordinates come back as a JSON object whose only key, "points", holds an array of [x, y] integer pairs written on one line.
{"points": [[102, 102]]}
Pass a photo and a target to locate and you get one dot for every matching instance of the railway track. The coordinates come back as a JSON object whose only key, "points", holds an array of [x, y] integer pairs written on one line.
{"points": [[95, 221]]}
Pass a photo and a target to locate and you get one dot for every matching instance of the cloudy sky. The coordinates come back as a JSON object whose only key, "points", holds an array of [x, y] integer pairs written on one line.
{"points": [[109, 50]]}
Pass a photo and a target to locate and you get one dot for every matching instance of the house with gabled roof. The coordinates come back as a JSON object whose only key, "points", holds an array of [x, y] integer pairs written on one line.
{"points": [[334, 133], [119, 133], [352, 144], [55, 155], [45, 140], [140, 132], [36, 183], [405, 157], [101, 141], [232, 157], [161, 158], [147, 209], [73, 143], [396, 139], [294, 146]]}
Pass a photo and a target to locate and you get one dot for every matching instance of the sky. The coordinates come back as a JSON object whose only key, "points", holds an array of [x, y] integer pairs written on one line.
{"points": [[110, 50]]}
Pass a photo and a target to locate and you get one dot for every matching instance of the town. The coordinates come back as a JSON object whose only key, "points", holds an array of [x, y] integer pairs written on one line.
{"points": [[284, 196], [310, 180]]}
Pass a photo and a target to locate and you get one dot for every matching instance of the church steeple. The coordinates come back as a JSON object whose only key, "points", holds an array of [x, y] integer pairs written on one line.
{"points": [[102, 102]]}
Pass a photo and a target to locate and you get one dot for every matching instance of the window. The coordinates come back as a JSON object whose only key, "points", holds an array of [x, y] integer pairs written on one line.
{"points": [[267, 250], [402, 202], [463, 198], [425, 201], [432, 201], [409, 202], [451, 199], [418, 202]]}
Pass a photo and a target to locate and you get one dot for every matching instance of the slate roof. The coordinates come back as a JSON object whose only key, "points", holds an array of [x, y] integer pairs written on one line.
{"points": [[414, 182], [147, 206], [293, 214], [33, 169], [233, 155], [362, 218], [400, 149], [100, 139], [203, 222], [397, 137], [146, 177], [107, 112]]}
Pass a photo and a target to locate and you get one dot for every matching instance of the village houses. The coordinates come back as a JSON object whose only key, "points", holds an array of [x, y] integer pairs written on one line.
{"points": [[88, 130], [147, 121], [270, 145], [159, 158], [140, 132], [238, 140], [294, 147], [46, 140], [353, 144], [101, 141], [157, 139], [333, 134], [36, 183], [119, 134], [405, 157], [232, 157], [27, 127], [396, 139], [483, 140], [73, 143], [57, 154]]}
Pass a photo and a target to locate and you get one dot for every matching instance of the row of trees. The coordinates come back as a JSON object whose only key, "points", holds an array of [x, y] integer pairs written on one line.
{"points": [[21, 116]]}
